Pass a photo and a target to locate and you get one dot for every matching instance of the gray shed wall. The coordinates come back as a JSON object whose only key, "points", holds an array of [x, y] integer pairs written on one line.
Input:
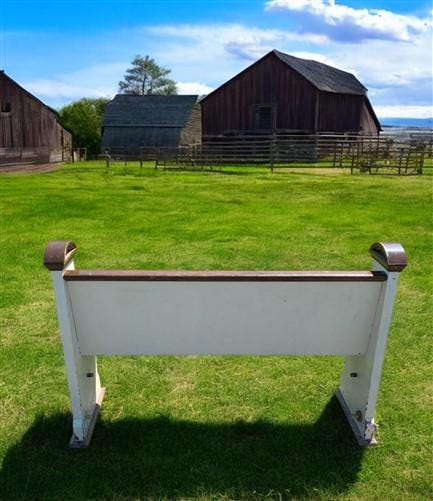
{"points": [[130, 139], [191, 133]]}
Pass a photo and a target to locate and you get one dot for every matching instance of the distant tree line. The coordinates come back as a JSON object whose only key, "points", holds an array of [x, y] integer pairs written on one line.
{"points": [[83, 120]]}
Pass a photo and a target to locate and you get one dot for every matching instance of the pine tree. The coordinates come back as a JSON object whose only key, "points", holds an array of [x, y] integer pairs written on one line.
{"points": [[147, 77]]}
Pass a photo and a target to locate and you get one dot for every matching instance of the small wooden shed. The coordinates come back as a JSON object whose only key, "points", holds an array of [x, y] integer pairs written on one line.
{"points": [[281, 94], [29, 131], [132, 122]]}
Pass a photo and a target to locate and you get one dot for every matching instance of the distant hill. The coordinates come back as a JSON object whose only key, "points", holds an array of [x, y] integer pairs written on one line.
{"points": [[406, 122]]}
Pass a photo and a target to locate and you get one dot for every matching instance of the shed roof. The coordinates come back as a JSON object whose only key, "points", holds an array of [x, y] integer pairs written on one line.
{"points": [[127, 110], [325, 78]]}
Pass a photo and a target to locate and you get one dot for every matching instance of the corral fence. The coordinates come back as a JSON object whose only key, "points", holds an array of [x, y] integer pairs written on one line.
{"points": [[358, 153], [411, 135]]}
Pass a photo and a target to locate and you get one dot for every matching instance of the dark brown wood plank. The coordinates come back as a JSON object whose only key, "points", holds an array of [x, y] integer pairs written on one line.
{"points": [[222, 276]]}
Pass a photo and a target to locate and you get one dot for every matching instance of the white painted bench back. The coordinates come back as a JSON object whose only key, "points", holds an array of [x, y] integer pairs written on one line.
{"points": [[199, 317]]}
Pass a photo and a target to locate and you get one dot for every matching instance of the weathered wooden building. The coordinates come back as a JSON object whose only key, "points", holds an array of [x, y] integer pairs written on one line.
{"points": [[29, 131], [132, 122], [281, 94]]}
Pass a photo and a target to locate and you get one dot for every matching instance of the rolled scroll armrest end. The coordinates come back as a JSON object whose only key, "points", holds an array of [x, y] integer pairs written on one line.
{"points": [[391, 255], [58, 253]]}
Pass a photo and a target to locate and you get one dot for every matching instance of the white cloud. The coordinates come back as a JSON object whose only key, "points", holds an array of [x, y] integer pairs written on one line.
{"points": [[236, 40], [315, 56], [404, 111], [345, 23], [396, 73], [193, 88], [223, 33], [98, 80], [59, 89]]}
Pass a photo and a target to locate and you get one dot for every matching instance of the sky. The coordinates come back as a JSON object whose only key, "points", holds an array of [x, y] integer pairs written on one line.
{"points": [[63, 50]]}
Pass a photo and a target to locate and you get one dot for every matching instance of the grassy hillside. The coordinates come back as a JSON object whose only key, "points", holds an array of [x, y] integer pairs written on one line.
{"points": [[211, 427]]}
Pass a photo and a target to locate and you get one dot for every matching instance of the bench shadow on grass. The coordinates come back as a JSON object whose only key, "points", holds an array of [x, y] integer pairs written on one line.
{"points": [[163, 458]]}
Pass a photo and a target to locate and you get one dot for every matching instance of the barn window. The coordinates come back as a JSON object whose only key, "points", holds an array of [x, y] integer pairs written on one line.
{"points": [[265, 117], [6, 107]]}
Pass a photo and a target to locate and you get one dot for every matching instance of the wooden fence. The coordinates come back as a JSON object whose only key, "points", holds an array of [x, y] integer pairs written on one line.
{"points": [[357, 153]]}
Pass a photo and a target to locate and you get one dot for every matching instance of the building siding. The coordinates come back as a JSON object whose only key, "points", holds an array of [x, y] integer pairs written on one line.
{"points": [[132, 123], [339, 113], [130, 140], [299, 106], [29, 131], [191, 133], [231, 109], [368, 126]]}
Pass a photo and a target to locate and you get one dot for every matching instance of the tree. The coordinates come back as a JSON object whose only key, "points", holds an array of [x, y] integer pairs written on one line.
{"points": [[147, 77], [83, 119]]}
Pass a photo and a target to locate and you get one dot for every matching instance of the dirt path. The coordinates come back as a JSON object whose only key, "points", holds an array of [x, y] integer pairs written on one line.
{"points": [[29, 168]]}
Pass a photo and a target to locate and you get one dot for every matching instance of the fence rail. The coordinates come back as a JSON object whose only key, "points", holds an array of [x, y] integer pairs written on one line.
{"points": [[357, 153]]}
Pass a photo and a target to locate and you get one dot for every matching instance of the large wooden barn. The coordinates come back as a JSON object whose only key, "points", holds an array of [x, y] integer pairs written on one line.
{"points": [[281, 94], [132, 123], [29, 131]]}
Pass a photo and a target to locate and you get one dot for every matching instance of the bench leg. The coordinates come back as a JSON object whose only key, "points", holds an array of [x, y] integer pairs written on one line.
{"points": [[86, 397], [353, 395], [85, 389], [360, 381]]}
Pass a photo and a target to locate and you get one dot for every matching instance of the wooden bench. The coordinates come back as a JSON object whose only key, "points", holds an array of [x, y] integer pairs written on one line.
{"points": [[226, 312]]}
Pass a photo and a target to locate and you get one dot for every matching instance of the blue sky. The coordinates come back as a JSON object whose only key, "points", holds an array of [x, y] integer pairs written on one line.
{"points": [[63, 50]]}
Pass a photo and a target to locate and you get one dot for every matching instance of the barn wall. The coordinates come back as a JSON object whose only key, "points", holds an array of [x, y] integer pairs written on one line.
{"points": [[29, 131], [131, 139], [231, 109], [368, 125], [191, 133], [339, 112]]}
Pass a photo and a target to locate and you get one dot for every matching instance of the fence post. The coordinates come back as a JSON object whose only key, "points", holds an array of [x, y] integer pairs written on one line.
{"points": [[271, 154], [156, 158]]}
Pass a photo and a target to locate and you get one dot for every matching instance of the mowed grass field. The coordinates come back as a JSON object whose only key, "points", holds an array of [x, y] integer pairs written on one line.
{"points": [[212, 428]]}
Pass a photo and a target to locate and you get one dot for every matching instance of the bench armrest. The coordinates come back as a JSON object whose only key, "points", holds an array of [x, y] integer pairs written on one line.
{"points": [[390, 255], [58, 254]]}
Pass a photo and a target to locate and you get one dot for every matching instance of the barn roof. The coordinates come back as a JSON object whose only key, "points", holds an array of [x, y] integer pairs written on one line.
{"points": [[127, 110], [325, 78]]}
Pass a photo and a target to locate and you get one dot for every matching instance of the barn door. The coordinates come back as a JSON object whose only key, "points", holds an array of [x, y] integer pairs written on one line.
{"points": [[265, 117]]}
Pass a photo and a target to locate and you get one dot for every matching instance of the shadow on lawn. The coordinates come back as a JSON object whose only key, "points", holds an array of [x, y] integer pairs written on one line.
{"points": [[162, 458]]}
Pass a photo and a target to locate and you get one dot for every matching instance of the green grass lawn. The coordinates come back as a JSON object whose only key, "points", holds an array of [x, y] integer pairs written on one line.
{"points": [[205, 428]]}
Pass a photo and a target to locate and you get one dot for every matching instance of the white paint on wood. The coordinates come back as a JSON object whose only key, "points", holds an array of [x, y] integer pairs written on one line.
{"points": [[84, 390], [360, 393], [266, 318]]}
